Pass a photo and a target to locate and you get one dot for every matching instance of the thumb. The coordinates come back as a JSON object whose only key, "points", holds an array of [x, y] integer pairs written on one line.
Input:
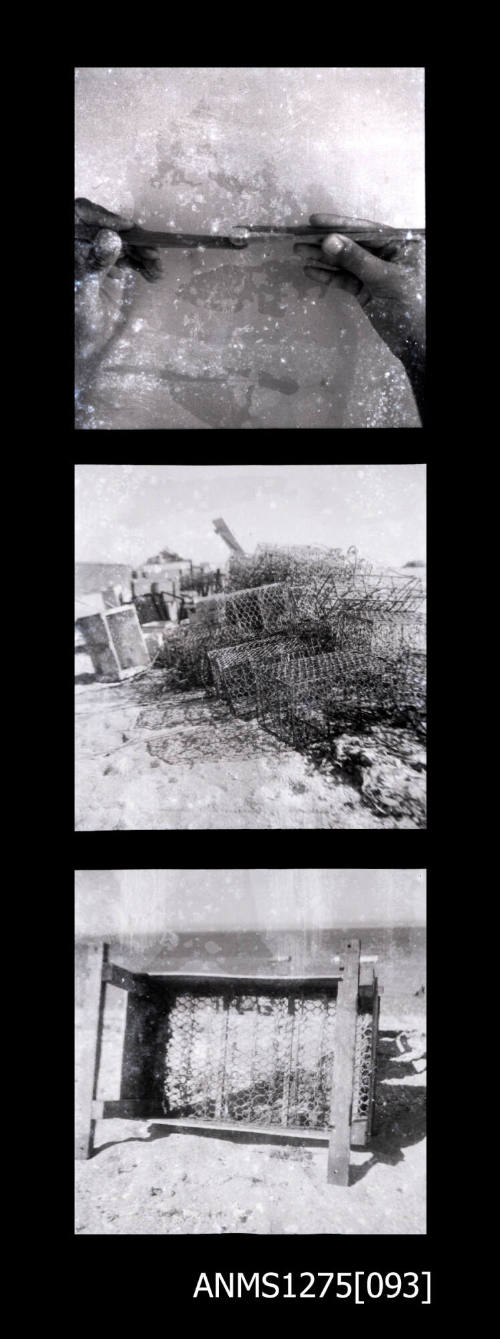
{"points": [[346, 254], [106, 250]]}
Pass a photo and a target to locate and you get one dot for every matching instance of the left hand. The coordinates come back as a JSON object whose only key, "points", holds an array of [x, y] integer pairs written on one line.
{"points": [[101, 257]]}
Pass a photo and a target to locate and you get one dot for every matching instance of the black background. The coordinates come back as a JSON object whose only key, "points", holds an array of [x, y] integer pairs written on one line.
{"points": [[126, 1281]]}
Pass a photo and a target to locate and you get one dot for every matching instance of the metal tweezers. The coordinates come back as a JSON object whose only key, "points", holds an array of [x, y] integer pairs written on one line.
{"points": [[241, 236]]}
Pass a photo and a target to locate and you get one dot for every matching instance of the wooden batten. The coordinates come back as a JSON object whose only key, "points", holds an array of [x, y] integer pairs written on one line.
{"points": [[343, 1069]]}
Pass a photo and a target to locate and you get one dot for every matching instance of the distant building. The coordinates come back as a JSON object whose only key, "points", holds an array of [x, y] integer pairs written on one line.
{"points": [[164, 564], [91, 577]]}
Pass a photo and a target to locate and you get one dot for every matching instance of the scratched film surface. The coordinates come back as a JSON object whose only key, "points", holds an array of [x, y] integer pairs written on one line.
{"points": [[243, 339]]}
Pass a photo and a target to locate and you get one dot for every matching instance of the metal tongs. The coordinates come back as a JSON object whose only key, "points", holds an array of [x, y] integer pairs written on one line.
{"points": [[240, 237]]}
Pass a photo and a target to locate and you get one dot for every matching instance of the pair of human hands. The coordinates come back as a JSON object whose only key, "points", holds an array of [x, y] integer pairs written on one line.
{"points": [[388, 280]]}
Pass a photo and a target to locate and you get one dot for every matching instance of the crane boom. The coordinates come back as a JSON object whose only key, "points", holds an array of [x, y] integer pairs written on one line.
{"points": [[225, 534]]}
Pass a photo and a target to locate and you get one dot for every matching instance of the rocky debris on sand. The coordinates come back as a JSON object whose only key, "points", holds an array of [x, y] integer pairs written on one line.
{"points": [[388, 766]]}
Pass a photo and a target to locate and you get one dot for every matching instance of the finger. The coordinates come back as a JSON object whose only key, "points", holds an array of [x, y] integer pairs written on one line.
{"points": [[407, 252], [317, 275], [340, 220], [106, 250], [98, 217], [146, 260], [347, 283], [311, 249], [388, 248], [377, 274]]}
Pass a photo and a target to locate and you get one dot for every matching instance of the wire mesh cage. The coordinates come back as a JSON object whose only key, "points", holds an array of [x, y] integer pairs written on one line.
{"points": [[316, 697], [247, 645], [293, 563], [237, 671], [246, 613], [289, 1056], [346, 670], [247, 675]]}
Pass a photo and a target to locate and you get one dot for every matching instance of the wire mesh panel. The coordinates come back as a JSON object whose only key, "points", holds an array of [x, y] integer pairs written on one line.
{"points": [[224, 621], [246, 613], [247, 675], [237, 670], [259, 1058], [290, 563], [363, 1078], [326, 575], [376, 673], [315, 697]]}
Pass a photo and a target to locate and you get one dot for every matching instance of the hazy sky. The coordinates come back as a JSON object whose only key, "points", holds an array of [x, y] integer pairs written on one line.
{"points": [[125, 513], [150, 901]]}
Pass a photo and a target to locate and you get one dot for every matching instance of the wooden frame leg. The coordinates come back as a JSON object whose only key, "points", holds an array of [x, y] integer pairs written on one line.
{"points": [[90, 997], [343, 1066]]}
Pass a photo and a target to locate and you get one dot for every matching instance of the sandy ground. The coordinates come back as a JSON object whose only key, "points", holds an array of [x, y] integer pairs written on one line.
{"points": [[144, 1180], [150, 758]]}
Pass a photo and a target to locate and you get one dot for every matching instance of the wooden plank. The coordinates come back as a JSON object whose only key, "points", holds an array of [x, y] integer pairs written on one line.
{"points": [[371, 1105], [343, 1066], [99, 645], [130, 1109], [127, 637], [119, 976], [143, 1054], [140, 1110], [359, 1135], [203, 978], [89, 999]]}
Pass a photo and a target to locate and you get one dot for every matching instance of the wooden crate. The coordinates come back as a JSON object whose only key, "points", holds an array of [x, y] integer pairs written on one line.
{"points": [[289, 1057]]}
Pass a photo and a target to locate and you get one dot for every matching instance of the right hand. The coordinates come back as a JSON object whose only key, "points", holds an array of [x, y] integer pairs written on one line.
{"points": [[390, 285], [101, 257]]}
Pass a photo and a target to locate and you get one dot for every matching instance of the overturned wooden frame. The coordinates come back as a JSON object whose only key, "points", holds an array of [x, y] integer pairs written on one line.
{"points": [[151, 997]]}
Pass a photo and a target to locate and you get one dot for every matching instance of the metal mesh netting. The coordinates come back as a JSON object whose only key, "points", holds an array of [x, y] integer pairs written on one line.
{"points": [[294, 563], [351, 671], [361, 630], [246, 613], [363, 1065], [314, 697], [236, 671], [224, 621], [259, 1059], [244, 674], [326, 576]]}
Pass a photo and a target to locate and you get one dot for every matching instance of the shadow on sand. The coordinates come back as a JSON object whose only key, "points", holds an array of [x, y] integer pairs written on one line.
{"points": [[400, 1109], [399, 1118]]}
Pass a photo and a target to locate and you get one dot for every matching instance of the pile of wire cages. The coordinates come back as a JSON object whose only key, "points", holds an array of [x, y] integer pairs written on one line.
{"points": [[335, 644], [294, 563], [368, 666], [349, 671], [253, 617]]}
